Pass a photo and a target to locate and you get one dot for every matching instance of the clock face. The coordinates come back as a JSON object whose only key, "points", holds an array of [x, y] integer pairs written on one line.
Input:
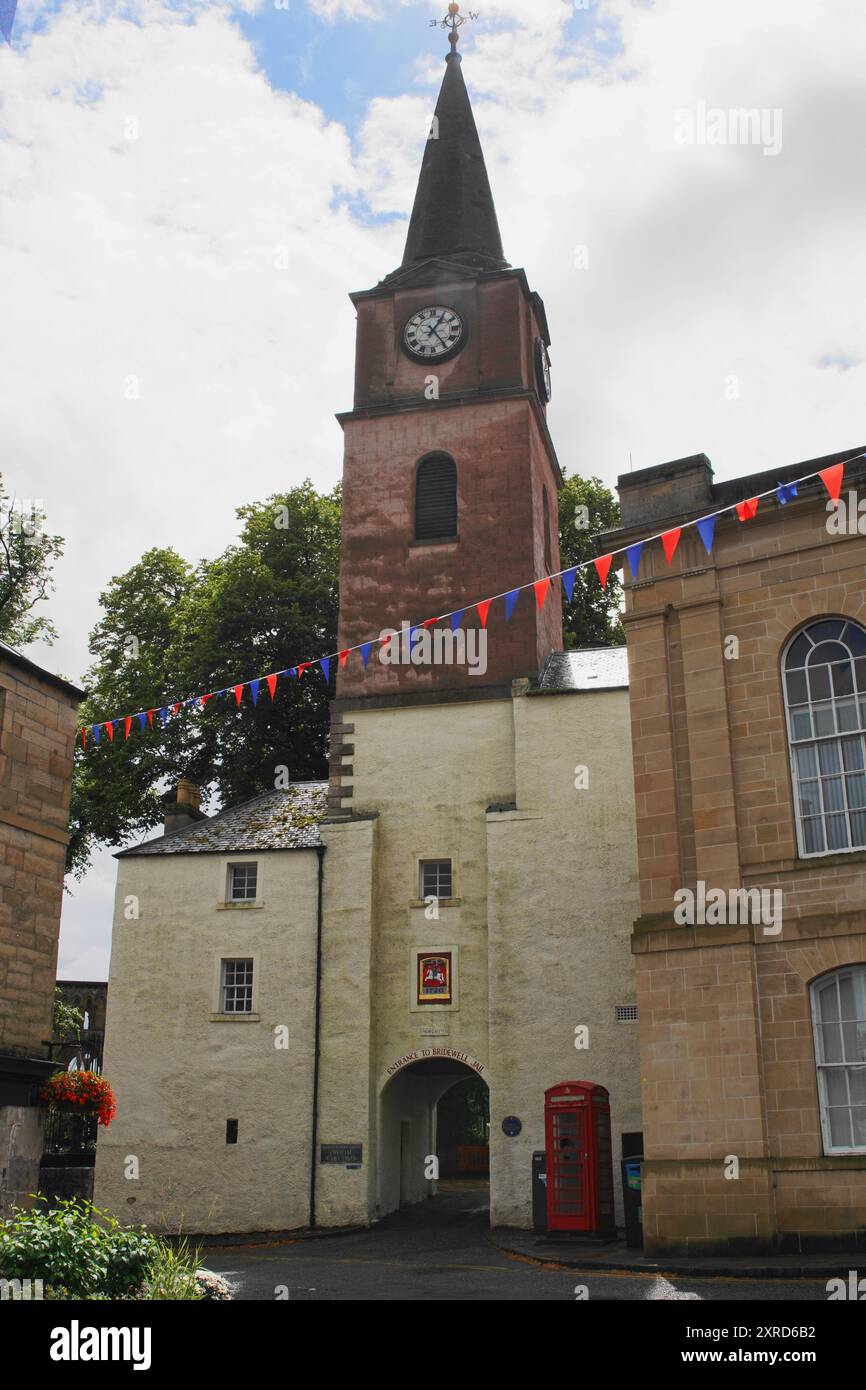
{"points": [[433, 333], [542, 369]]}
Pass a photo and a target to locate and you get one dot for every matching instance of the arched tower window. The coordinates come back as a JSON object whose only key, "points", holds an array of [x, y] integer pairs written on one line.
{"points": [[825, 699], [436, 499], [839, 1022]]}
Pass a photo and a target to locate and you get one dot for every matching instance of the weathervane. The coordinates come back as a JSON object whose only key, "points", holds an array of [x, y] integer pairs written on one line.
{"points": [[452, 21]]}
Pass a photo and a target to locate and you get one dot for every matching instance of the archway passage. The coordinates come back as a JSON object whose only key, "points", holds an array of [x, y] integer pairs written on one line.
{"points": [[433, 1141]]}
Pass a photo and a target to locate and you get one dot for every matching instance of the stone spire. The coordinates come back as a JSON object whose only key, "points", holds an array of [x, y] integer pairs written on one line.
{"points": [[454, 217]]}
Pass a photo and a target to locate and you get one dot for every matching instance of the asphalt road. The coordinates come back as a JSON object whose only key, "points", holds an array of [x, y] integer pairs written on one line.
{"points": [[441, 1250]]}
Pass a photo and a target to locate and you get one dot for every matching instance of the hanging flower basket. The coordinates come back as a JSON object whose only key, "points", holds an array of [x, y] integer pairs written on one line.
{"points": [[73, 1090]]}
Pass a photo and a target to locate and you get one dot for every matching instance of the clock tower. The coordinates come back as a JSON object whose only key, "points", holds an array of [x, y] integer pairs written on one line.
{"points": [[450, 477]]}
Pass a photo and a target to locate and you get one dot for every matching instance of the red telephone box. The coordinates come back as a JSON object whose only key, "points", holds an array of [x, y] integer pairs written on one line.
{"points": [[579, 1158]]}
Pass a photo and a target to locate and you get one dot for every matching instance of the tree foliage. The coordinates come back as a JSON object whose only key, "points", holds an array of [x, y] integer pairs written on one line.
{"points": [[27, 555], [586, 509], [171, 630]]}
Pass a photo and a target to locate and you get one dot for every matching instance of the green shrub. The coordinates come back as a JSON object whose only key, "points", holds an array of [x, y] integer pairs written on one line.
{"points": [[75, 1247]]}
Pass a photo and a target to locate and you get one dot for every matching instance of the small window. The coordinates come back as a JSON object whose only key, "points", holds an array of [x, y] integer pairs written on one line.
{"points": [[231, 1131], [436, 878], [237, 987], [243, 883], [839, 1020], [548, 543], [436, 499]]}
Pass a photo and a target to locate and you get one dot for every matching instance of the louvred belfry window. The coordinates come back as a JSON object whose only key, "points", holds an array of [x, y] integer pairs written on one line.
{"points": [[436, 499]]}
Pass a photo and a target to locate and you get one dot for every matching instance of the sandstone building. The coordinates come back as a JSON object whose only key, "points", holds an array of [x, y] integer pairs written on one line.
{"points": [[37, 734], [748, 712]]}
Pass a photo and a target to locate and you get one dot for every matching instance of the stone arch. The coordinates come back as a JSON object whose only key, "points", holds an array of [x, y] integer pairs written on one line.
{"points": [[408, 1094]]}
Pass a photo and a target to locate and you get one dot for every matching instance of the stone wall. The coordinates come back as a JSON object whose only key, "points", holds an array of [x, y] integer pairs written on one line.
{"points": [[180, 1071], [36, 746], [727, 1046], [37, 735]]}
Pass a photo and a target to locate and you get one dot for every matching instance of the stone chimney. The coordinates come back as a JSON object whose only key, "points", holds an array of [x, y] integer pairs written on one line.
{"points": [[184, 807]]}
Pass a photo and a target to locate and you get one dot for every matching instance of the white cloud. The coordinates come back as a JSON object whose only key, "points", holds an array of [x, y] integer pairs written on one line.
{"points": [[155, 257]]}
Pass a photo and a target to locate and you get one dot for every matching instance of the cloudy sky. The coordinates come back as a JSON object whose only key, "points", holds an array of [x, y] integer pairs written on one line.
{"points": [[190, 188]]}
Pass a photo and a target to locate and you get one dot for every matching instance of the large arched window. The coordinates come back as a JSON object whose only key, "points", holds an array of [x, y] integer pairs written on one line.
{"points": [[436, 499], [825, 698], [839, 1021]]}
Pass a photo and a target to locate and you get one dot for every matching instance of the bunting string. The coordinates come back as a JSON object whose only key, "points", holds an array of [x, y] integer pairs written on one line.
{"points": [[745, 511]]}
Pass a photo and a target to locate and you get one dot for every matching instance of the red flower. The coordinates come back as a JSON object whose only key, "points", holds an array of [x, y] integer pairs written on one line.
{"points": [[81, 1088]]}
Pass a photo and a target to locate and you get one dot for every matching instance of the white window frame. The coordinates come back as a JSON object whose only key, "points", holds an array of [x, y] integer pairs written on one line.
{"points": [[230, 881], [823, 1067], [432, 859], [247, 984], [817, 741]]}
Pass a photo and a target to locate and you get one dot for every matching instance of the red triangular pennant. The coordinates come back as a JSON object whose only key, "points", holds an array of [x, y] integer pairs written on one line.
{"points": [[109, 729], [344, 657], [150, 714], [428, 622], [603, 567], [670, 541], [747, 510], [304, 666], [272, 686], [127, 725], [239, 694], [832, 479], [483, 610], [175, 709], [542, 588], [204, 700], [83, 738]]}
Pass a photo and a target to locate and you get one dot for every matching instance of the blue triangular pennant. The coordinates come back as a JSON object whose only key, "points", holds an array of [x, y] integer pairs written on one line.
{"points": [[7, 18], [568, 582], [163, 714], [366, 649], [786, 492], [254, 691], [633, 554], [142, 719], [97, 729], [707, 529], [457, 619], [325, 664], [510, 603]]}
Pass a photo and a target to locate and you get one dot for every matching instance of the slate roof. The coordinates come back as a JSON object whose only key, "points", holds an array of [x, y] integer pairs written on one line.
{"points": [[454, 215], [278, 820], [590, 668]]}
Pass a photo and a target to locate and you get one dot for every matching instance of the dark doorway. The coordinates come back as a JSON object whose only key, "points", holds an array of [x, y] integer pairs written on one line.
{"points": [[463, 1130]]}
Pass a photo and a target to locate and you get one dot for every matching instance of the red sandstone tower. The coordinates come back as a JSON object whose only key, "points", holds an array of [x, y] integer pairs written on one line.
{"points": [[450, 476]]}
